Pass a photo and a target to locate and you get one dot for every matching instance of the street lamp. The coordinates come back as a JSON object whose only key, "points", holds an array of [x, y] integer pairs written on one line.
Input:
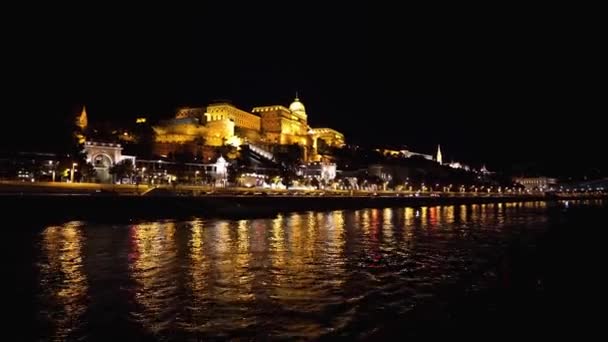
{"points": [[72, 173], [196, 176], [52, 169]]}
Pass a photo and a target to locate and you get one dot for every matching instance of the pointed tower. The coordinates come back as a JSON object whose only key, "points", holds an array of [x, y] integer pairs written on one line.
{"points": [[439, 157], [82, 121]]}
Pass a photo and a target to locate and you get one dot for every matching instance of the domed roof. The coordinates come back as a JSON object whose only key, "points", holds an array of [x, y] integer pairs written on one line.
{"points": [[297, 107]]}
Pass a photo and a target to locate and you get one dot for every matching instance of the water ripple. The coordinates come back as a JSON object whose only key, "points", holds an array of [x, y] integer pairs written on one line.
{"points": [[299, 276]]}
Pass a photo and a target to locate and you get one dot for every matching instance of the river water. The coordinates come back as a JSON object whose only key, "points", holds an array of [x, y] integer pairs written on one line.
{"points": [[300, 276]]}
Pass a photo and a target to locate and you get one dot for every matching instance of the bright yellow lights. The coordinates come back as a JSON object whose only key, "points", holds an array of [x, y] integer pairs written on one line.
{"points": [[234, 141], [140, 120], [63, 278]]}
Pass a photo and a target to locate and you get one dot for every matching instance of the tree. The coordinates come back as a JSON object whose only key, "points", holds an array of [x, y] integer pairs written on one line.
{"points": [[124, 169], [228, 151], [87, 172], [144, 145], [232, 173]]}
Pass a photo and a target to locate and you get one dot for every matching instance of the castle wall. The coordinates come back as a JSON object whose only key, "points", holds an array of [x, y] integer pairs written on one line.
{"points": [[219, 131], [190, 112], [271, 121], [198, 151], [241, 118]]}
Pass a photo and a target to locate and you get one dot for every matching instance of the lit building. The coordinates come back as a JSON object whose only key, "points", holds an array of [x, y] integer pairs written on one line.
{"points": [[404, 153], [280, 126], [190, 112], [222, 111], [162, 171], [29, 166], [323, 171], [103, 156], [224, 124], [458, 165], [331, 137], [383, 172], [536, 183]]}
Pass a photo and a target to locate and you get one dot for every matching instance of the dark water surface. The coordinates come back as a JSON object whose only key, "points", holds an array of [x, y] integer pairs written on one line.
{"points": [[301, 276]]}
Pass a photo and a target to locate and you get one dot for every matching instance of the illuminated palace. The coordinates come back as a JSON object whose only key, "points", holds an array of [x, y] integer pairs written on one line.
{"points": [[267, 127]]}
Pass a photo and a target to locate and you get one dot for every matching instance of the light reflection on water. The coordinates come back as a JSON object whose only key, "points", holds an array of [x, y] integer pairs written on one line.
{"points": [[299, 275], [63, 280]]}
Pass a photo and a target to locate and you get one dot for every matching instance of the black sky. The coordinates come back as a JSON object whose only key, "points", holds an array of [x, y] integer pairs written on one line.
{"points": [[490, 85]]}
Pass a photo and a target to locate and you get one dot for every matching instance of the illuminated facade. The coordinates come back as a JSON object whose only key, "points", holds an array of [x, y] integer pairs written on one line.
{"points": [[405, 153], [190, 112], [224, 124], [222, 111], [536, 183], [282, 126], [324, 171], [103, 156]]}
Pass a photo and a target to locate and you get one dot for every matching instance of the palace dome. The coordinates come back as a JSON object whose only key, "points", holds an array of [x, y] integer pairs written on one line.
{"points": [[297, 107]]}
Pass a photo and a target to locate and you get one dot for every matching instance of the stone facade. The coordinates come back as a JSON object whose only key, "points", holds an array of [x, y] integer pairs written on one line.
{"points": [[218, 132], [281, 126], [241, 118], [103, 156], [224, 124]]}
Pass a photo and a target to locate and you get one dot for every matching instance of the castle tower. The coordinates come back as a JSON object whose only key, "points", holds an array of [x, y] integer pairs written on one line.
{"points": [[439, 157]]}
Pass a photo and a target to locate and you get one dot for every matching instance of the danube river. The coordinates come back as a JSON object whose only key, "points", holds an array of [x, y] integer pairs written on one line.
{"points": [[306, 275]]}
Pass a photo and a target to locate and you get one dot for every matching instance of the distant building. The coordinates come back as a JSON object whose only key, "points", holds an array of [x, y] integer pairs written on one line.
{"points": [[29, 166], [384, 172], [458, 165], [162, 171], [536, 183], [322, 171], [405, 153]]}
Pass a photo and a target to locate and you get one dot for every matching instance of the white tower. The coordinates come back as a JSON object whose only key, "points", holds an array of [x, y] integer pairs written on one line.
{"points": [[439, 157]]}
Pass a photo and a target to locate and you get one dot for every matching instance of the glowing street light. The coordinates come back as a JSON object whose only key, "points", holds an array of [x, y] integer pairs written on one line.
{"points": [[53, 169], [72, 173]]}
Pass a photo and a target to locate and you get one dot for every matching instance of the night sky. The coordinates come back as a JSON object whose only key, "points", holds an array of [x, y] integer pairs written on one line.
{"points": [[501, 88]]}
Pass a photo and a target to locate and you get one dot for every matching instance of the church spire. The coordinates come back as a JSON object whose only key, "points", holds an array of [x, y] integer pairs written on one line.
{"points": [[82, 120], [297, 98], [439, 156]]}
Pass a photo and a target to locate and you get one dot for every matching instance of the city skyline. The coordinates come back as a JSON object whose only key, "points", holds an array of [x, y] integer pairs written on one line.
{"points": [[490, 95]]}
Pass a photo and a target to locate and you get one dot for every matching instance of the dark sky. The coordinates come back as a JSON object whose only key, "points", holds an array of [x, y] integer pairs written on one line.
{"points": [[502, 87]]}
